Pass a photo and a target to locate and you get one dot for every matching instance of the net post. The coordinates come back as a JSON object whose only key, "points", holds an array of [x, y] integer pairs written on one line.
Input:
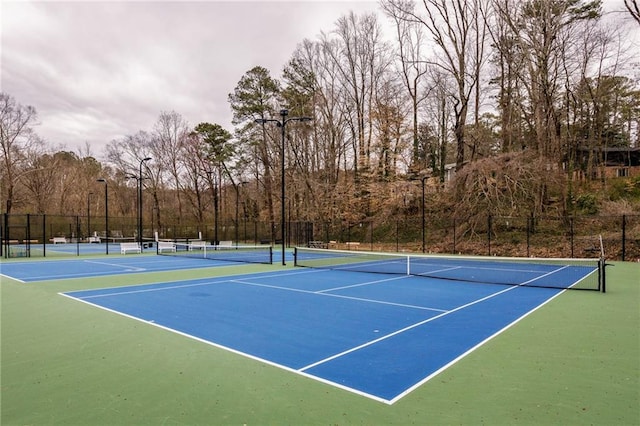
{"points": [[295, 256], [408, 265], [602, 266], [603, 275]]}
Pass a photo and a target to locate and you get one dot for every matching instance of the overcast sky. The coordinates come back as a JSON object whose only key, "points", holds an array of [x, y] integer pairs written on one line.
{"points": [[97, 71], [100, 70]]}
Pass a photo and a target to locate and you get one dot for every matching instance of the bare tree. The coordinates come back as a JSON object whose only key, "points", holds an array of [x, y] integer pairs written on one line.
{"points": [[16, 138], [435, 134], [411, 45], [167, 149], [362, 59], [195, 164], [125, 155], [458, 34], [508, 62], [634, 9], [388, 118], [542, 31], [313, 77]]}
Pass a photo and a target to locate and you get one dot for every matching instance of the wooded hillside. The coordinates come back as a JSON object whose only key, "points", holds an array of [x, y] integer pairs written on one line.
{"points": [[496, 106]]}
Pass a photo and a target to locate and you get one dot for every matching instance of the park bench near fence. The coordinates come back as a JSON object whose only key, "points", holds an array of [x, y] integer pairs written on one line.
{"points": [[126, 247]]}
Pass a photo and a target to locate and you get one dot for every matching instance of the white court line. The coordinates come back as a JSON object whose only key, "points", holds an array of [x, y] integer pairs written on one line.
{"points": [[12, 278], [222, 279], [67, 276], [402, 330], [362, 284], [360, 299], [451, 268], [232, 350], [144, 290], [117, 265], [302, 371]]}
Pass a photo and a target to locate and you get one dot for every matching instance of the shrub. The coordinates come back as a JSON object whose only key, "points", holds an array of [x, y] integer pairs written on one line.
{"points": [[587, 204]]}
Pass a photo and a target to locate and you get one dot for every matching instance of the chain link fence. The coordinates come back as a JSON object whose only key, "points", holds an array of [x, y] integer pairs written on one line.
{"points": [[559, 237], [539, 236]]}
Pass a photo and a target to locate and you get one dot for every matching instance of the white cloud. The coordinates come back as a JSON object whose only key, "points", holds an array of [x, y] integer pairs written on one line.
{"points": [[101, 70]]}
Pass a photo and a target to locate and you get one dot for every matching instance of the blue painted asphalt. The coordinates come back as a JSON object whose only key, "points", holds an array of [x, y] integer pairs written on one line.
{"points": [[378, 336]]}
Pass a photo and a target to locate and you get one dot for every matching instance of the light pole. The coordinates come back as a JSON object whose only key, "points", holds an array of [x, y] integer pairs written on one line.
{"points": [[106, 212], [213, 183], [132, 176], [282, 123], [238, 209], [89, 216], [140, 201]]}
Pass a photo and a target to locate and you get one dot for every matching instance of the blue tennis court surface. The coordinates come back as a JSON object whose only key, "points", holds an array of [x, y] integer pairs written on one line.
{"points": [[99, 266], [376, 335], [69, 248]]}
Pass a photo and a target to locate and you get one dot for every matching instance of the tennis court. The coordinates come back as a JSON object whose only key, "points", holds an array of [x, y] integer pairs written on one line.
{"points": [[104, 266], [94, 267], [63, 249], [266, 344], [379, 336]]}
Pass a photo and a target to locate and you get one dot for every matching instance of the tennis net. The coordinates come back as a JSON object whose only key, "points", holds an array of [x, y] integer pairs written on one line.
{"points": [[229, 253], [582, 274]]}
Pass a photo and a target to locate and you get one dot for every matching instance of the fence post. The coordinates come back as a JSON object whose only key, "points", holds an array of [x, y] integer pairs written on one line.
{"points": [[2, 249], [397, 237], [44, 235], [528, 236], [27, 234], [624, 236], [533, 224], [77, 235], [489, 233], [571, 230], [454, 236], [371, 234]]}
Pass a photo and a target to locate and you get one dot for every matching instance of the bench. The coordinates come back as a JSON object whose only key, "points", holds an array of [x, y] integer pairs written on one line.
{"points": [[166, 246], [134, 247], [93, 240], [29, 241], [592, 250], [225, 244], [59, 240], [197, 245], [354, 244], [318, 244]]}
